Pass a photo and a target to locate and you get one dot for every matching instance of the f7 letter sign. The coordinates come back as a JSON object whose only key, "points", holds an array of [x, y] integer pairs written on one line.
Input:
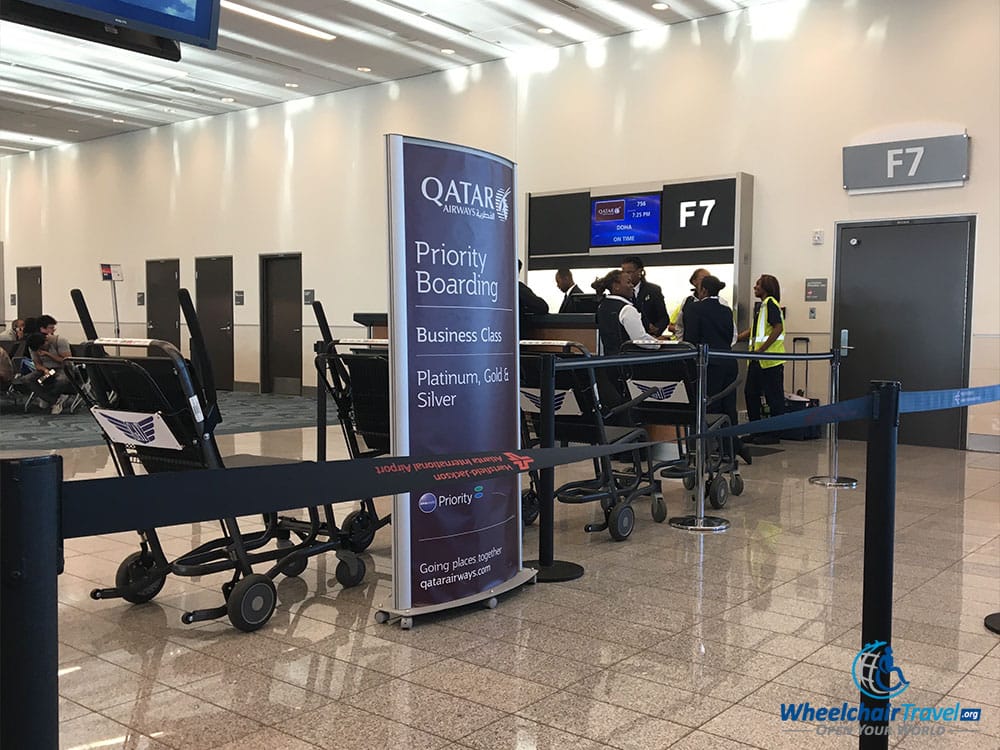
{"points": [[699, 215]]}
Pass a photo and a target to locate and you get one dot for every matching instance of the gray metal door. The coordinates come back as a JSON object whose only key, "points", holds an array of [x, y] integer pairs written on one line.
{"points": [[903, 291], [214, 301], [29, 291], [163, 311], [281, 324]]}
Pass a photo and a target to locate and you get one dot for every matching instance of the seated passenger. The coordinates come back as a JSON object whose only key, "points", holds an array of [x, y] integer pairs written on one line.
{"points": [[50, 385]]}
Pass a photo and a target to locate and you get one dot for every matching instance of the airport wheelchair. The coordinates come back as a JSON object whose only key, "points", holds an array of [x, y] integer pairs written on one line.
{"points": [[670, 389], [581, 417], [159, 413], [356, 375], [362, 404]]}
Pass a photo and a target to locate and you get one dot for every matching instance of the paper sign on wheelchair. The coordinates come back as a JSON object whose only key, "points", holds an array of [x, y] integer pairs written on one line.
{"points": [[136, 428], [661, 391]]}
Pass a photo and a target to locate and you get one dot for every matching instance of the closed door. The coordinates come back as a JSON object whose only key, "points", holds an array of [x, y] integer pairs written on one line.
{"points": [[903, 292], [163, 312], [214, 301], [281, 324], [29, 291]]}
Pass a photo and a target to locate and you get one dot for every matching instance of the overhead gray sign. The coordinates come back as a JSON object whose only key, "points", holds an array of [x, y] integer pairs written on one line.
{"points": [[902, 164]]}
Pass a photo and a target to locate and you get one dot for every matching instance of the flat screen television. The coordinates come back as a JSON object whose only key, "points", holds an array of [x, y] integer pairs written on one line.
{"points": [[132, 24], [625, 220]]}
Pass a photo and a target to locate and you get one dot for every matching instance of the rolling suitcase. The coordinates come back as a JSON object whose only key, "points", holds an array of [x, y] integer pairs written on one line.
{"points": [[799, 399]]}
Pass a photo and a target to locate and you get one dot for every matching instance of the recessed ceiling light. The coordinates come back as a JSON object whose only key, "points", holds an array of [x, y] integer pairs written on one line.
{"points": [[168, 109], [227, 100], [661, 6], [277, 21], [545, 30], [72, 130], [291, 85], [447, 51], [364, 69], [184, 89], [116, 119]]}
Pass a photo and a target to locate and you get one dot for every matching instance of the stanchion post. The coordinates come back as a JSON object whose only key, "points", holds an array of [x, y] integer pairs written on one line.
{"points": [[550, 570], [547, 477], [30, 562], [833, 478], [700, 522], [321, 364], [880, 512]]}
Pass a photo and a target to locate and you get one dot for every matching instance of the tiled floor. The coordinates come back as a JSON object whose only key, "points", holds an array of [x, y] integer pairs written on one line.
{"points": [[669, 640]]}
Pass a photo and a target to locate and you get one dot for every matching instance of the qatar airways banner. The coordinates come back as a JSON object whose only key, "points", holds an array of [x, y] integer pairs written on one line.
{"points": [[454, 355]]}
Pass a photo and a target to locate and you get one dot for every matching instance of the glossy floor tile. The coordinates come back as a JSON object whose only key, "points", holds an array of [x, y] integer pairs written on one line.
{"points": [[669, 640]]}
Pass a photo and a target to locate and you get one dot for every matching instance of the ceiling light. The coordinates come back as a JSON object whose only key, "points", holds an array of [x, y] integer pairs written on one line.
{"points": [[545, 30], [227, 100], [661, 6], [364, 69], [447, 51], [115, 119], [277, 21], [291, 85], [72, 130]]}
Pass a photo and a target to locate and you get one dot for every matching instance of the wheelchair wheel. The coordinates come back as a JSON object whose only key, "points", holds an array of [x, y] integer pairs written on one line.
{"points": [[736, 485], [530, 507], [252, 602], [359, 530], [621, 521], [658, 509], [690, 481], [135, 569], [350, 572], [296, 567], [718, 492]]}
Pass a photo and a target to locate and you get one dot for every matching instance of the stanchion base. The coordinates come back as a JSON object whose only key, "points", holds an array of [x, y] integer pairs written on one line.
{"points": [[992, 622], [557, 572], [693, 523], [849, 483]]}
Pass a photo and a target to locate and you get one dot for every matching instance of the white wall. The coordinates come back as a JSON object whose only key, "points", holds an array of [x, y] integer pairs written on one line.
{"points": [[775, 92]]}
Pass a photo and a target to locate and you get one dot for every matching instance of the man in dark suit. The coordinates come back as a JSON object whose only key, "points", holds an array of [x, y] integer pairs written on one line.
{"points": [[648, 296], [564, 280], [528, 303]]}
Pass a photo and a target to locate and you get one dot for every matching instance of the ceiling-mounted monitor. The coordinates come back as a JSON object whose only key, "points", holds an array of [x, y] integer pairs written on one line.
{"points": [[148, 26], [622, 221]]}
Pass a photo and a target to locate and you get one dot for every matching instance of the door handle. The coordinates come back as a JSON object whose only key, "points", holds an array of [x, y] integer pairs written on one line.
{"points": [[149, 326], [296, 330], [228, 327]]}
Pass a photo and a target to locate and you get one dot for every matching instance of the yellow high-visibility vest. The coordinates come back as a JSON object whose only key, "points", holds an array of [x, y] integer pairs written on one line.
{"points": [[762, 331]]}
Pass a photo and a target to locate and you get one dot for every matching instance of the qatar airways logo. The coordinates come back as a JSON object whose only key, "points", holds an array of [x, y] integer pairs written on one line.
{"points": [[467, 198], [609, 210]]}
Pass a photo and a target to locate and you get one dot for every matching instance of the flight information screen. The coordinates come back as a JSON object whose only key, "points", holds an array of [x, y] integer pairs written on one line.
{"points": [[624, 220]]}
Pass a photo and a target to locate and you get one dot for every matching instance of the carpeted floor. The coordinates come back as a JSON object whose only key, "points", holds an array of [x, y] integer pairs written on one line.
{"points": [[241, 412]]}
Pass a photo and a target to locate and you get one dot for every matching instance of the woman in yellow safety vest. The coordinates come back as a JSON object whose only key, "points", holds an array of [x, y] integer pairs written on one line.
{"points": [[766, 377]]}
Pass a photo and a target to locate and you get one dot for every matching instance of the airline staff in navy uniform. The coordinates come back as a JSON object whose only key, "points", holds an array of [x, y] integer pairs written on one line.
{"points": [[564, 280], [618, 320], [647, 297], [708, 321], [528, 303], [766, 377]]}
